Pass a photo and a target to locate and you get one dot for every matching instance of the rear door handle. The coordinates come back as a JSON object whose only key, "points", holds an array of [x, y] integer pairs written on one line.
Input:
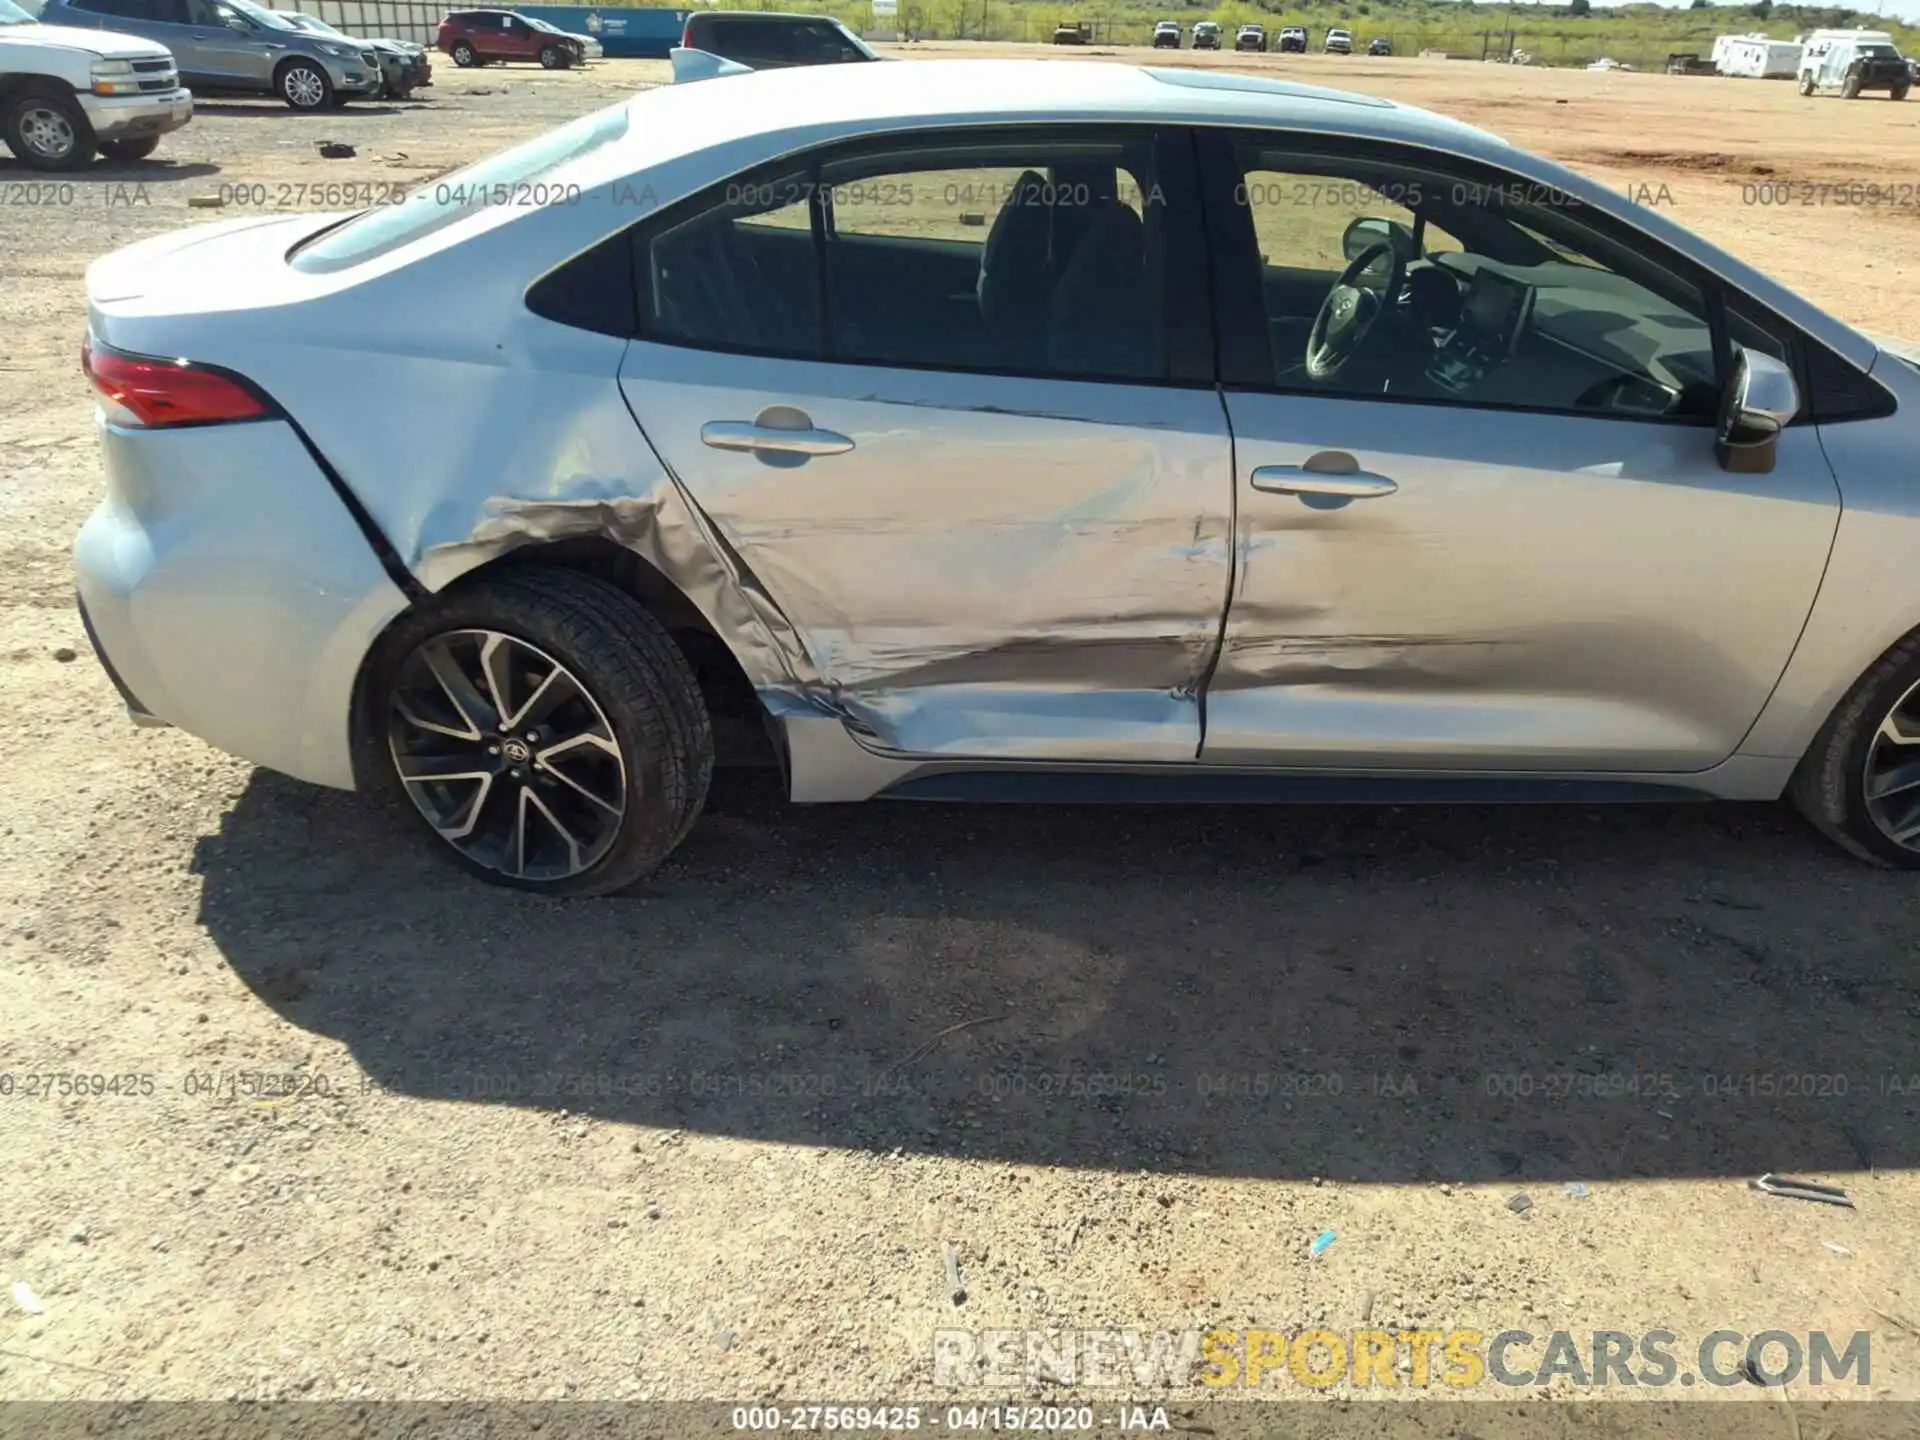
{"points": [[779, 430], [1325, 472]]}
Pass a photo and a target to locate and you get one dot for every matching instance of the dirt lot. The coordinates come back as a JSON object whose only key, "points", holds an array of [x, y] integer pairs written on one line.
{"points": [[710, 1140]]}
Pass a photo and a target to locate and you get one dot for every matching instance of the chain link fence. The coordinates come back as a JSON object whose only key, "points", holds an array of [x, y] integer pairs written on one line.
{"points": [[415, 20]]}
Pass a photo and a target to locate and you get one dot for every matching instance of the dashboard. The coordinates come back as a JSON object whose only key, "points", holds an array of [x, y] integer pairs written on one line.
{"points": [[1557, 335]]}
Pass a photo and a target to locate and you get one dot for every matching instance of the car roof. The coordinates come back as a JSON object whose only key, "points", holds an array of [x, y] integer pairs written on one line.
{"points": [[756, 112], [754, 16]]}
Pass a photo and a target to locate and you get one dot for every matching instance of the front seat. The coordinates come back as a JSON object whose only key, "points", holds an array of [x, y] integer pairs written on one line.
{"points": [[1017, 272], [1105, 318]]}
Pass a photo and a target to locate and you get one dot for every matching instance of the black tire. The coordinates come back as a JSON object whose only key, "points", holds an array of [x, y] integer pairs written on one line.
{"points": [[1851, 90], [304, 86], [464, 55], [1830, 785], [126, 151], [625, 661], [46, 129], [1806, 84], [1899, 92], [552, 57]]}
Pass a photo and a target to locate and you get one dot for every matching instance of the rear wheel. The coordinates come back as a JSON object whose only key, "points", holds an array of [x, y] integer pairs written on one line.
{"points": [[47, 130], [1899, 92], [464, 56], [1806, 84], [304, 85], [1860, 781], [546, 729], [124, 150]]}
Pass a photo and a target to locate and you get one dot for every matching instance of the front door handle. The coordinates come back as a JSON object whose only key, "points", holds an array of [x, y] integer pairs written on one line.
{"points": [[1325, 472], [778, 430]]}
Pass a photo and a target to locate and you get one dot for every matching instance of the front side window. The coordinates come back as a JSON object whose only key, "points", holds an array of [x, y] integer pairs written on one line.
{"points": [[1035, 255], [825, 43], [1380, 279]]}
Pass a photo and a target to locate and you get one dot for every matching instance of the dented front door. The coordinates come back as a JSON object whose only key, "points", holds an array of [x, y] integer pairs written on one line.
{"points": [[1441, 587], [970, 565]]}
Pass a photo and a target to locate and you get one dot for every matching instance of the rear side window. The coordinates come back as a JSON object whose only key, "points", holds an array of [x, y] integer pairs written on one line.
{"points": [[499, 180], [749, 42], [1040, 255]]}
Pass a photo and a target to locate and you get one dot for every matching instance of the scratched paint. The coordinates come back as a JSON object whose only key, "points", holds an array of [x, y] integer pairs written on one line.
{"points": [[996, 566]]}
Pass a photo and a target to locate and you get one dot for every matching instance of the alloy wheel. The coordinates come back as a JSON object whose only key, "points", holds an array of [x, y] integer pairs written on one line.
{"points": [[303, 87], [1891, 784], [48, 133], [507, 755]]}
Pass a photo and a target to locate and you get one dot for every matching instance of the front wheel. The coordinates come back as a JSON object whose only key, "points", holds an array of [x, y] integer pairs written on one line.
{"points": [[552, 58], [1806, 84], [46, 130], [1899, 92], [463, 55], [125, 150], [1859, 783], [546, 728], [1851, 90], [304, 85]]}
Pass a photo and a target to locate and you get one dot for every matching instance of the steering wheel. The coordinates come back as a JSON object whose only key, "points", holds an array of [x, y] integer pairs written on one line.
{"points": [[1350, 312]]}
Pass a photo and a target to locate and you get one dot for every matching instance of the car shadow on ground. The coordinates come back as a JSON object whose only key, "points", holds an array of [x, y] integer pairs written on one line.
{"points": [[159, 171], [1385, 994], [266, 107]]}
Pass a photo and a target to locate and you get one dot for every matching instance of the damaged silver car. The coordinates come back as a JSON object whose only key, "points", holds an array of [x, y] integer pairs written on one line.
{"points": [[1003, 431]]}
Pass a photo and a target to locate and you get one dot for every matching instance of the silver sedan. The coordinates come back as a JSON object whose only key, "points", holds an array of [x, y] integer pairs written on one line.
{"points": [[983, 430]]}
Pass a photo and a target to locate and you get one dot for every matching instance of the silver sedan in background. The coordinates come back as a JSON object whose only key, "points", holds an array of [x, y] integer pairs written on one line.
{"points": [[984, 430]]}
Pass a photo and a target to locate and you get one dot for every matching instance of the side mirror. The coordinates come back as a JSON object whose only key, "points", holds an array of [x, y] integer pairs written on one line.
{"points": [[1370, 231], [1761, 399]]}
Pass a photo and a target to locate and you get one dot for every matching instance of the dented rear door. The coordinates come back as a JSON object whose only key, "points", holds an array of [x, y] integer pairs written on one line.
{"points": [[992, 567], [995, 522]]}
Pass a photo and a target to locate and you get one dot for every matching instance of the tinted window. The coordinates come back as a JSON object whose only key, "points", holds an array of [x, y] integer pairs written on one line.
{"points": [[1506, 294], [739, 273], [819, 44], [749, 44], [1031, 256]]}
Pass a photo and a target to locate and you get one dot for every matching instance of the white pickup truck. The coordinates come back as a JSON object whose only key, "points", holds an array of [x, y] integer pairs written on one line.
{"points": [[66, 93]]}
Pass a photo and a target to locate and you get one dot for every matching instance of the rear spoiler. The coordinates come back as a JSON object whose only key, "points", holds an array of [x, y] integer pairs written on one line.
{"points": [[689, 65]]}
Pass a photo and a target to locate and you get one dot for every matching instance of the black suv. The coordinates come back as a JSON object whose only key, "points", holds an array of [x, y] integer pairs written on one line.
{"points": [[771, 42]]}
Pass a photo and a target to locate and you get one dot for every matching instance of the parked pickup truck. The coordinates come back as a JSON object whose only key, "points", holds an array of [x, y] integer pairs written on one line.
{"points": [[65, 94]]}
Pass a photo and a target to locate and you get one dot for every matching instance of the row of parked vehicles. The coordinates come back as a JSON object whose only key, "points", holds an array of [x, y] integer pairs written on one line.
{"points": [[1207, 35], [110, 77]]}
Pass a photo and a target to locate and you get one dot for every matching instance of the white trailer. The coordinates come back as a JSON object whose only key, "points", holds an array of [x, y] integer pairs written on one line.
{"points": [[1756, 57]]}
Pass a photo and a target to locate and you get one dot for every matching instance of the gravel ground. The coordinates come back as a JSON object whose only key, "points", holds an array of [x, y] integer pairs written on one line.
{"points": [[714, 1138]]}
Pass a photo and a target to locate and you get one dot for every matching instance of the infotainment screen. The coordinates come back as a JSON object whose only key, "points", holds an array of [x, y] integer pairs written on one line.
{"points": [[1492, 311]]}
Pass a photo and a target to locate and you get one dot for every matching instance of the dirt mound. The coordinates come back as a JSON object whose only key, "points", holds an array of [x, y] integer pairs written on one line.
{"points": [[1710, 162]]}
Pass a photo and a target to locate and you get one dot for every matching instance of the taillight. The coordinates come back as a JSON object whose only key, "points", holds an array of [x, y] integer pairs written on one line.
{"points": [[686, 35], [143, 390]]}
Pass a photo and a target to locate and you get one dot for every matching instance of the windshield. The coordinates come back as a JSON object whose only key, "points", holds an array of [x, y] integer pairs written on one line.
{"points": [[540, 24], [260, 15], [12, 14], [502, 179], [315, 24]]}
